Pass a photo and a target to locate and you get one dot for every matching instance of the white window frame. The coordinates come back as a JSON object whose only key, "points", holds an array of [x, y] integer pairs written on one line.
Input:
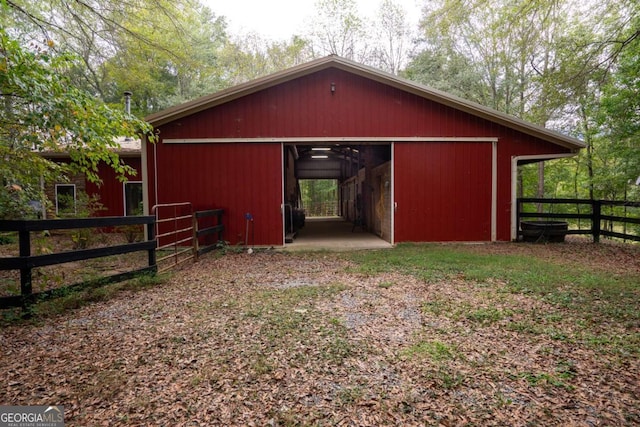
{"points": [[124, 194], [75, 197]]}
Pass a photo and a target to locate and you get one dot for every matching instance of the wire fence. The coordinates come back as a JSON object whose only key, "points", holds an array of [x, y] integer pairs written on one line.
{"points": [[322, 209]]}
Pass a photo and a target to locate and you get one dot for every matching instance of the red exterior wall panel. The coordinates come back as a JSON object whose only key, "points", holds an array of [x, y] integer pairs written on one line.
{"points": [[111, 191], [240, 178], [442, 191], [306, 108]]}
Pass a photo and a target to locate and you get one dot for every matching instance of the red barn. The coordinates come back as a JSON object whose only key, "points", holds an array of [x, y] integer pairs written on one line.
{"points": [[413, 163]]}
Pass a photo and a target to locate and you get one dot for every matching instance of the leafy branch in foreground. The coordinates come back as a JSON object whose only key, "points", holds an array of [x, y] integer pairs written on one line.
{"points": [[42, 112]]}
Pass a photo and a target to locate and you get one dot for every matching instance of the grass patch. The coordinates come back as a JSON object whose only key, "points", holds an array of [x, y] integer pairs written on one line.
{"points": [[545, 379], [595, 295], [581, 300], [488, 315], [8, 238], [437, 307], [437, 351], [350, 395]]}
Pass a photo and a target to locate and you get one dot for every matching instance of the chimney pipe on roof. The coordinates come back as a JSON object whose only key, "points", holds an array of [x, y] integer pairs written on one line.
{"points": [[127, 108], [127, 102]]}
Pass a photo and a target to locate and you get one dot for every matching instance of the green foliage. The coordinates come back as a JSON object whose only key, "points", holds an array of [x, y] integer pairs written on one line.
{"points": [[542, 62], [620, 115], [450, 72], [167, 55], [14, 202], [7, 238], [250, 56], [43, 111], [84, 206]]}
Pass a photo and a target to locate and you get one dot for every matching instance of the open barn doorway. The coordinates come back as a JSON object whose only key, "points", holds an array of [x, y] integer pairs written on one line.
{"points": [[338, 192]]}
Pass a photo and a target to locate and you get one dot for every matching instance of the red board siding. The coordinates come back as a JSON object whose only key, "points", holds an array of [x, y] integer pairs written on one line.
{"points": [[442, 191], [111, 191], [306, 107], [240, 178]]}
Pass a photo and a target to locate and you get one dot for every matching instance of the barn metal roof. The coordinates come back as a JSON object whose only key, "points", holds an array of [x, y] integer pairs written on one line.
{"points": [[333, 61]]}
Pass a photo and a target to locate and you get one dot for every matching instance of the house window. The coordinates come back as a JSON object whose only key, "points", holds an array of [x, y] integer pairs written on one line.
{"points": [[65, 199], [133, 198]]}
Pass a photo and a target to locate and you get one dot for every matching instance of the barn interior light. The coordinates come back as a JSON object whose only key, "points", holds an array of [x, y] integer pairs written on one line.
{"points": [[333, 88], [320, 157], [320, 149]]}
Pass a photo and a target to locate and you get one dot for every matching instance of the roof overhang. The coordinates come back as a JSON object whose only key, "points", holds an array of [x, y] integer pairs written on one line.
{"points": [[333, 61], [122, 146]]}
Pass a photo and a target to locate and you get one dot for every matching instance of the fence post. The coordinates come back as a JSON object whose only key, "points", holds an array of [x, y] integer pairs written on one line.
{"points": [[25, 272], [219, 219], [194, 224], [151, 235], [518, 209], [596, 211]]}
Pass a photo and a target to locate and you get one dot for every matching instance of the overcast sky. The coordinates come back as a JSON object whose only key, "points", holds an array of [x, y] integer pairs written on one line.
{"points": [[280, 19]]}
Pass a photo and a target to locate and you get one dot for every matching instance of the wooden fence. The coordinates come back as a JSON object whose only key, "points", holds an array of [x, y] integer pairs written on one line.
{"points": [[597, 218], [26, 262], [200, 242]]}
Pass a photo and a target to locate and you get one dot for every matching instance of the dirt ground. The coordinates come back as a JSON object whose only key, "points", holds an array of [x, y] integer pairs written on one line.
{"points": [[304, 339]]}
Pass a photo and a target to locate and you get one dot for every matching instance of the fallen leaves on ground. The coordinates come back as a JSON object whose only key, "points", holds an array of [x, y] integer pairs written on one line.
{"points": [[302, 339]]}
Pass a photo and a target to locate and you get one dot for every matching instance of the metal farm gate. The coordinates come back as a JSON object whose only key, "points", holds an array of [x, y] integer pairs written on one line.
{"points": [[183, 234]]}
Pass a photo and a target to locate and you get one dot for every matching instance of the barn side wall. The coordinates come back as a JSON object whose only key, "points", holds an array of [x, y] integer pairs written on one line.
{"points": [[111, 190]]}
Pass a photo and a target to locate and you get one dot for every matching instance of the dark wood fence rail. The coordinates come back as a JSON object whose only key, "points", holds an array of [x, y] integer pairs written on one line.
{"points": [[202, 232], [26, 262], [595, 215]]}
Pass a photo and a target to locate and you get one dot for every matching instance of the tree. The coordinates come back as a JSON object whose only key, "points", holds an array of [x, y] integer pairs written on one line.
{"points": [[338, 30], [165, 52], [42, 111], [250, 56], [507, 43], [545, 61], [393, 35], [180, 62], [620, 117], [592, 56], [451, 73]]}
